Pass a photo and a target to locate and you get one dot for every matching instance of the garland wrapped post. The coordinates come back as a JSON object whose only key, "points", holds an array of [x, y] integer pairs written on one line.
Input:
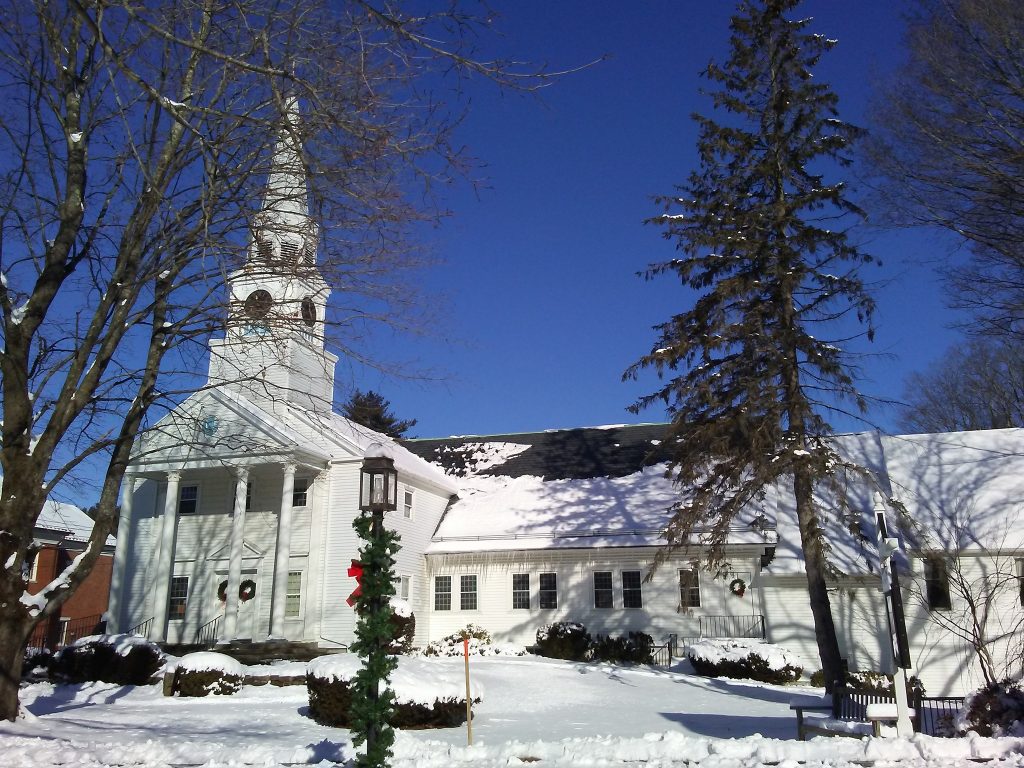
{"points": [[372, 700]]}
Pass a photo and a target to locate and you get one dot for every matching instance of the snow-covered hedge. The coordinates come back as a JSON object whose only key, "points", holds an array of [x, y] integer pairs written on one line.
{"points": [[120, 659], [995, 710], [205, 672], [403, 626], [564, 640], [480, 644], [428, 693], [745, 660]]}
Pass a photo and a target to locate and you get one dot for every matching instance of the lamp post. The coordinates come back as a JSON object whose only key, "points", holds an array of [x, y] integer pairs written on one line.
{"points": [[378, 493]]}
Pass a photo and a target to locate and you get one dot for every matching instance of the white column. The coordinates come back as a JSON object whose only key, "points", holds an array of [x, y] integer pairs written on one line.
{"points": [[118, 585], [283, 553], [162, 580], [230, 627]]}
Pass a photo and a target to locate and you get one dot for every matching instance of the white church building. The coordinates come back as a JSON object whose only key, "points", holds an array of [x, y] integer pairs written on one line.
{"points": [[237, 510]]}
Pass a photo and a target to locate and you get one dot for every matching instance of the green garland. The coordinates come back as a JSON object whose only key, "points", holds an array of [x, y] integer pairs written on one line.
{"points": [[373, 635]]}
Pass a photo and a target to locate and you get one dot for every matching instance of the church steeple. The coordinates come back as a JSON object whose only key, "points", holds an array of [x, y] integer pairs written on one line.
{"points": [[273, 350], [284, 235]]}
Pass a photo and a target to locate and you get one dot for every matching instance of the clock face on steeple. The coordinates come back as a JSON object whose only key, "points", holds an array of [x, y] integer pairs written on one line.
{"points": [[258, 304], [308, 312]]}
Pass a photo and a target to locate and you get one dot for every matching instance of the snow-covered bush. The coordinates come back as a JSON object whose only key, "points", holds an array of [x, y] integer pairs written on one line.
{"points": [[120, 659], [745, 660], [427, 693], [38, 662], [403, 626], [995, 710], [632, 648], [480, 644], [861, 680], [205, 672], [564, 640]]}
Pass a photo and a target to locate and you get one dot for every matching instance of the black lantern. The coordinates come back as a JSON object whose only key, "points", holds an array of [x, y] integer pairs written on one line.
{"points": [[378, 485]]}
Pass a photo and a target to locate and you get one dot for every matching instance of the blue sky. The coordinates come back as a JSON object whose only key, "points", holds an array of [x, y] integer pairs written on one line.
{"points": [[543, 310]]}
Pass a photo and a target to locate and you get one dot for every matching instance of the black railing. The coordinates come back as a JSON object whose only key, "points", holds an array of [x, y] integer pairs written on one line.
{"points": [[751, 626], [141, 629], [56, 633], [206, 635], [662, 655]]}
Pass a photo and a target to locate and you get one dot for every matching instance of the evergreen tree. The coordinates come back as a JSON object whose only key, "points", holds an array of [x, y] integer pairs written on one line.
{"points": [[372, 701], [742, 376], [371, 410]]}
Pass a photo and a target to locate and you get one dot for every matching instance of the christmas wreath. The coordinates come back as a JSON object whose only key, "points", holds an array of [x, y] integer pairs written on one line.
{"points": [[247, 590], [222, 591], [738, 587]]}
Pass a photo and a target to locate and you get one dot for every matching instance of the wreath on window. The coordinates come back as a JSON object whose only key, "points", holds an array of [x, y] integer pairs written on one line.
{"points": [[738, 587], [222, 591], [247, 590]]}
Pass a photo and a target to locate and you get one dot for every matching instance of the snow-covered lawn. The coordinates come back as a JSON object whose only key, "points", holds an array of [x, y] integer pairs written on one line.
{"points": [[557, 713]]}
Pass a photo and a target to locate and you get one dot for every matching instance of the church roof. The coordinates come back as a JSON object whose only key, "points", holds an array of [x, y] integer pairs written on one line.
{"points": [[607, 486]]}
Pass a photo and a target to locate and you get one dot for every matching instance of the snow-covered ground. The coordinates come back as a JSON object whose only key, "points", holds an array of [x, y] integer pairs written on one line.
{"points": [[534, 711]]}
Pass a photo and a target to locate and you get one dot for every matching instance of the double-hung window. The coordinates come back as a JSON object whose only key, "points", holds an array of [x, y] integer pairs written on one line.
{"points": [[188, 500], [602, 589], [689, 588], [1019, 562], [548, 591], [520, 591], [632, 596], [936, 583], [467, 593], [300, 492], [293, 595], [442, 593], [407, 500], [177, 598]]}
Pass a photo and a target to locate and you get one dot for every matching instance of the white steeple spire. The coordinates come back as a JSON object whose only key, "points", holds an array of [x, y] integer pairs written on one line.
{"points": [[284, 235]]}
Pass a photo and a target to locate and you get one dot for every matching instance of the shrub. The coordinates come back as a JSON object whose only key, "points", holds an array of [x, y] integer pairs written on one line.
{"points": [[994, 710], [120, 659], [480, 644], [403, 626], [632, 648], [564, 640], [203, 673], [38, 662], [745, 660], [330, 698], [862, 680]]}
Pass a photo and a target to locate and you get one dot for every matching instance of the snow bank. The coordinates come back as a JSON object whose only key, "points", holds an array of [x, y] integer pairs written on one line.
{"points": [[415, 681]]}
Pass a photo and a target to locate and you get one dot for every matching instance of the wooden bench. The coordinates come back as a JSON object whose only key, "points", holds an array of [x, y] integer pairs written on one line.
{"points": [[801, 704]]}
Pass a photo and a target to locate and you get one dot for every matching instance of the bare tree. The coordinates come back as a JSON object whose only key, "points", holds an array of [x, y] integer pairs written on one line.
{"points": [[948, 141], [135, 147], [973, 595], [976, 386]]}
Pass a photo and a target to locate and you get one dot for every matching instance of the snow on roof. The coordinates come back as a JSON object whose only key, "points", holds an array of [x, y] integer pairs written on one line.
{"points": [[961, 490], [67, 518]]}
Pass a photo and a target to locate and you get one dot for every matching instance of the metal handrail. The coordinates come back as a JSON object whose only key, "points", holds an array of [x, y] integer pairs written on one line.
{"points": [[141, 628], [207, 634]]}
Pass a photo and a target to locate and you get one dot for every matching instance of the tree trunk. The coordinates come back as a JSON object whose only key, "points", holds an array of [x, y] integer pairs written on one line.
{"points": [[12, 654], [814, 565]]}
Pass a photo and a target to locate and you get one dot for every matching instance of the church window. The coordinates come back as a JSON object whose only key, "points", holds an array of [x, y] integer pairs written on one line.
{"points": [[936, 583], [300, 492], [602, 589], [293, 595], [177, 598], [442, 593], [467, 593], [548, 591], [632, 597], [188, 500], [520, 591], [689, 588], [265, 246]]}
